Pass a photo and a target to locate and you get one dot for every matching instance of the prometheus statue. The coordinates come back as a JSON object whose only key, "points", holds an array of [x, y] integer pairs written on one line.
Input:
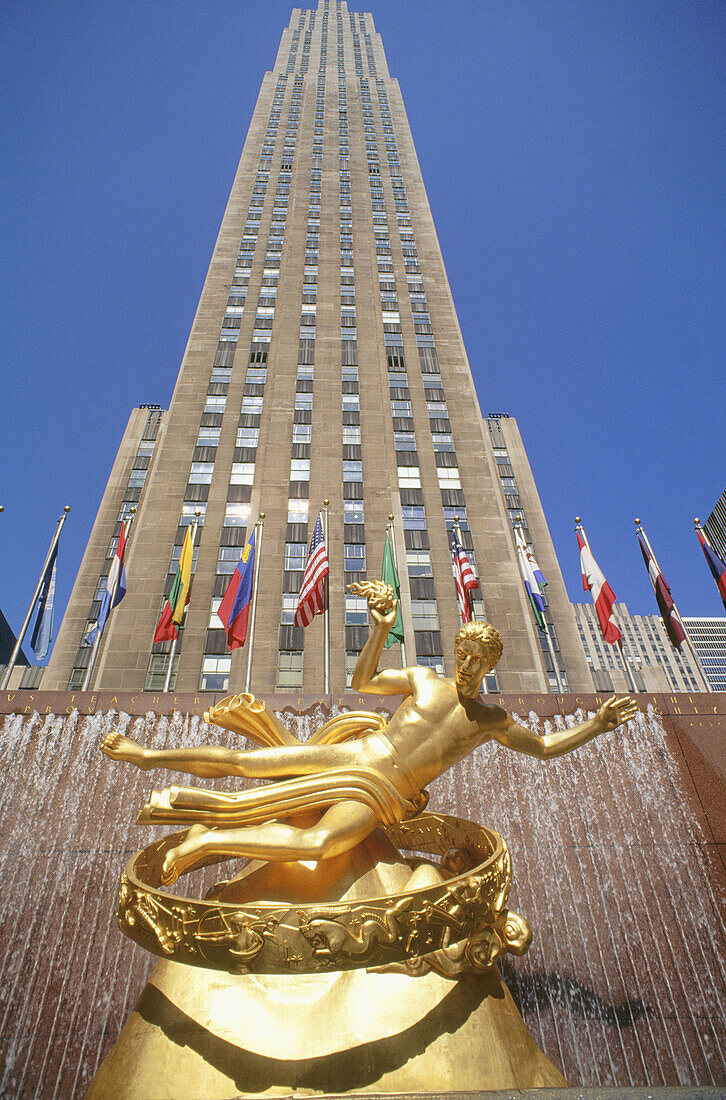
{"points": [[377, 778]]}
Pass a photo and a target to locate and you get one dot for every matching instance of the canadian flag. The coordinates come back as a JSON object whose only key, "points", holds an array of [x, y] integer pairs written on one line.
{"points": [[602, 594]]}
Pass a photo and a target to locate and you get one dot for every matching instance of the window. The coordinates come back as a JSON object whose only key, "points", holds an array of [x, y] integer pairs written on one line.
{"points": [[138, 477], [237, 515], [355, 557], [351, 436], [351, 402], [433, 661], [303, 401], [352, 471], [302, 433], [221, 374], [295, 553], [437, 408], [215, 673], [299, 469], [201, 473], [401, 408], [256, 376], [449, 477], [414, 517], [227, 559], [252, 405], [297, 511], [404, 441], [424, 614], [305, 372], [350, 374], [188, 515], [248, 437], [418, 563], [450, 515], [289, 607], [356, 611], [353, 511], [442, 441], [409, 477], [289, 669], [397, 378], [243, 473]]}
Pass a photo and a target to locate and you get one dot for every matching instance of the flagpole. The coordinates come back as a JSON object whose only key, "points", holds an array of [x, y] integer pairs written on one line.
{"points": [[392, 541], [626, 663], [14, 655], [172, 652], [326, 612], [255, 585], [99, 635], [641, 531]]}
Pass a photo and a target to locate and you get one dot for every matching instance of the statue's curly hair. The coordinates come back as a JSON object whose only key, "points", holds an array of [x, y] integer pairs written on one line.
{"points": [[486, 635]]}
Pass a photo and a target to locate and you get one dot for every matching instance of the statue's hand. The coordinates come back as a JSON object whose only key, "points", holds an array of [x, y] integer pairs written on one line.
{"points": [[615, 712], [382, 602]]}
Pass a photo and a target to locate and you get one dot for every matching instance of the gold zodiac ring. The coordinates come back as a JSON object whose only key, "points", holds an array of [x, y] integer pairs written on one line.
{"points": [[460, 924]]}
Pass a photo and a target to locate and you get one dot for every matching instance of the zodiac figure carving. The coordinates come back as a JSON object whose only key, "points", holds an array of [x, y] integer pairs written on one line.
{"points": [[330, 938]]}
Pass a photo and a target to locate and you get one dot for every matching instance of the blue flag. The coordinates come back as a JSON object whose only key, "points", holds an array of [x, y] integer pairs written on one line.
{"points": [[43, 631]]}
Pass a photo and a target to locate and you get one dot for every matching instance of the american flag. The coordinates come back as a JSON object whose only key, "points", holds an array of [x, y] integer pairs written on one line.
{"points": [[314, 590], [464, 578]]}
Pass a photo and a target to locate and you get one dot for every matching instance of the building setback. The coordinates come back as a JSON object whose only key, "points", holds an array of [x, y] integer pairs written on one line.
{"points": [[325, 361], [655, 663], [708, 638]]}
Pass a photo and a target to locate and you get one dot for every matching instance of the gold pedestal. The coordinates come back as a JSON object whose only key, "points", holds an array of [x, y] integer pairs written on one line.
{"points": [[208, 1035]]}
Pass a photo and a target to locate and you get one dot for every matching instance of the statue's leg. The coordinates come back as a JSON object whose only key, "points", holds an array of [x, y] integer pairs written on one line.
{"points": [[212, 761], [340, 828]]}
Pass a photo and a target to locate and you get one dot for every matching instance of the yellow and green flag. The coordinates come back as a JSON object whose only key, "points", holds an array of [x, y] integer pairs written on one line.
{"points": [[389, 575], [178, 598]]}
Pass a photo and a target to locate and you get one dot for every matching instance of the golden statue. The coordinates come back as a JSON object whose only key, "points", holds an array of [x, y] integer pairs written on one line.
{"points": [[378, 778], [329, 936]]}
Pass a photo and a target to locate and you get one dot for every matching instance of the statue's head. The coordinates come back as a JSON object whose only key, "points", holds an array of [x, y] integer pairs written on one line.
{"points": [[477, 648]]}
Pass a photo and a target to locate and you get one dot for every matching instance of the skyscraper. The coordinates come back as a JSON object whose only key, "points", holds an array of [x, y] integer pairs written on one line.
{"points": [[325, 361]]}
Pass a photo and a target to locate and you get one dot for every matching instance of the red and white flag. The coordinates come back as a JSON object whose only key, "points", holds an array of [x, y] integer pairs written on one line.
{"points": [[664, 599], [313, 598], [593, 581], [464, 579]]}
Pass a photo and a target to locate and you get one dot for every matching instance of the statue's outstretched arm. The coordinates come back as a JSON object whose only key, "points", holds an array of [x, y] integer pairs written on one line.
{"points": [[611, 714]]}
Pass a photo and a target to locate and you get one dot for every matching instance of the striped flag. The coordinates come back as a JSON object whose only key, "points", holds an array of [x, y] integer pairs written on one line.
{"points": [[715, 564], [593, 581], [235, 606], [313, 598], [114, 591], [666, 606], [464, 578], [533, 577]]}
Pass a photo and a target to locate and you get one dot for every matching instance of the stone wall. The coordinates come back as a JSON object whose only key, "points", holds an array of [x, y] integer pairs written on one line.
{"points": [[618, 855]]}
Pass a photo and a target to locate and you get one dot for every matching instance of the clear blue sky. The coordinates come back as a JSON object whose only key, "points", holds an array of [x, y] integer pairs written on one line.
{"points": [[573, 152]]}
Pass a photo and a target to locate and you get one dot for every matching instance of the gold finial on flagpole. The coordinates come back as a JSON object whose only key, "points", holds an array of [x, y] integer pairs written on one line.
{"points": [[578, 519], [637, 521], [696, 521], [67, 509]]}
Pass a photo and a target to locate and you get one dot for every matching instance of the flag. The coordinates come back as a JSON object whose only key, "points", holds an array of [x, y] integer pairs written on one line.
{"points": [[533, 577], [313, 598], [114, 591], [464, 578], [43, 630], [666, 606], [389, 575], [178, 598], [235, 605], [593, 581], [715, 564]]}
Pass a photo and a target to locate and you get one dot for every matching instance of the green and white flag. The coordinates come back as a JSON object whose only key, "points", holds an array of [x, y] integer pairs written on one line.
{"points": [[389, 575]]}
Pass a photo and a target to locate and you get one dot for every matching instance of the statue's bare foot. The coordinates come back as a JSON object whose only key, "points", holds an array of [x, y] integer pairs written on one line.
{"points": [[119, 747], [184, 855]]}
